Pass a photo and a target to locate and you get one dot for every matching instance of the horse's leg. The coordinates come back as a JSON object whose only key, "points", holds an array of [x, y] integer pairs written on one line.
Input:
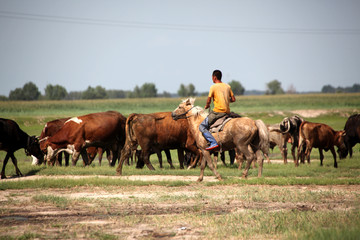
{"points": [[207, 158], [202, 167], [249, 155]]}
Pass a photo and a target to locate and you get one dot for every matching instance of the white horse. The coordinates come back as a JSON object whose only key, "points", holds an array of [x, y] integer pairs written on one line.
{"points": [[244, 134]]}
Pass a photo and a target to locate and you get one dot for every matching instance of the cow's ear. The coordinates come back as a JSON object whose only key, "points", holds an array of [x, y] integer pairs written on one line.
{"points": [[343, 134]]}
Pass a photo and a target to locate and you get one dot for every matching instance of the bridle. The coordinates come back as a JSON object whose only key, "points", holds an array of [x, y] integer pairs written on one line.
{"points": [[184, 114]]}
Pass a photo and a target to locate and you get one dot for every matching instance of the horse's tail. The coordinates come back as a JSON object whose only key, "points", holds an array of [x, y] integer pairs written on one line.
{"points": [[263, 133]]}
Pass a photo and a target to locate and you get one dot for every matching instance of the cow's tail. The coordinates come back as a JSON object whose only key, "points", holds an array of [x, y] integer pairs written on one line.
{"points": [[130, 136], [263, 133]]}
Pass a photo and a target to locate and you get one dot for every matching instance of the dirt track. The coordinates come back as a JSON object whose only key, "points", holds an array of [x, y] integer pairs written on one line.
{"points": [[145, 212]]}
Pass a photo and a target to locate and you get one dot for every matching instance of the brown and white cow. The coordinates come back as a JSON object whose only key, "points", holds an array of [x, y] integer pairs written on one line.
{"points": [[104, 129], [49, 130], [321, 136], [156, 132]]}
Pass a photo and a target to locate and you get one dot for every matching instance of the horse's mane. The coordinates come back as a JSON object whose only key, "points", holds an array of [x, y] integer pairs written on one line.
{"points": [[200, 111], [197, 111]]}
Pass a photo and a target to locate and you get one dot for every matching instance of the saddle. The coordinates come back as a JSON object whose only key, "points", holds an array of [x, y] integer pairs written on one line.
{"points": [[219, 124]]}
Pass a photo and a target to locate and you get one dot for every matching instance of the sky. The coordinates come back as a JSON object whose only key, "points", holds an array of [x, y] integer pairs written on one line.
{"points": [[304, 44]]}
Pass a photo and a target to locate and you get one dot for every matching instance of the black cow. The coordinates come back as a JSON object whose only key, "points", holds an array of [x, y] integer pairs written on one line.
{"points": [[292, 125], [352, 130], [12, 138]]}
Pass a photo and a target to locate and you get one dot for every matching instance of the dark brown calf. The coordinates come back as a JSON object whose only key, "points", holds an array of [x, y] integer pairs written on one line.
{"points": [[321, 136], [156, 132]]}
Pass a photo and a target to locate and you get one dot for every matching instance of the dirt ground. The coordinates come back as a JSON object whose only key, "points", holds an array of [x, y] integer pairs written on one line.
{"points": [[141, 212]]}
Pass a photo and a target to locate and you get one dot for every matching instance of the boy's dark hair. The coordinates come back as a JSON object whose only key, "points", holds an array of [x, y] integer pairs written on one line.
{"points": [[217, 74]]}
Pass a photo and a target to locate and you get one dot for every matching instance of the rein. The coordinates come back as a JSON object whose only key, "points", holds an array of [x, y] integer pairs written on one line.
{"points": [[184, 114]]}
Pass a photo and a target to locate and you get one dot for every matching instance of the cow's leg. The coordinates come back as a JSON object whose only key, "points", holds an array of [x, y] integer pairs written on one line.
{"points": [[75, 157], [159, 155], [334, 155], [4, 166], [321, 156], [101, 153], [232, 156], [145, 154], [125, 153], [260, 160], [350, 151], [14, 160], [67, 157], [222, 157], [181, 158], [84, 155], [299, 153], [307, 151], [58, 161], [168, 157]]}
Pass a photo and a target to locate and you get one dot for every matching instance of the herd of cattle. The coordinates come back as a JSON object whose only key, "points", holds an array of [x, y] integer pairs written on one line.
{"points": [[120, 137]]}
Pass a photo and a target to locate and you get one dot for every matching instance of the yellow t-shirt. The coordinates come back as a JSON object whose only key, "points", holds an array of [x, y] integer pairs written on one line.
{"points": [[221, 93]]}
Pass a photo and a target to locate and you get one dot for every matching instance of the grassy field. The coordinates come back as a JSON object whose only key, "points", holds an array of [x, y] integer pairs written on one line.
{"points": [[307, 202]]}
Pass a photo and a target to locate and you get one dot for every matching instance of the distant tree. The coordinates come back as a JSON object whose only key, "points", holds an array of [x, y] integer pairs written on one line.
{"points": [[94, 93], [182, 91], [116, 93], [147, 90], [291, 90], [29, 92], [75, 95], [16, 94], [56, 92], [328, 89], [236, 87], [3, 98], [274, 87], [187, 91]]}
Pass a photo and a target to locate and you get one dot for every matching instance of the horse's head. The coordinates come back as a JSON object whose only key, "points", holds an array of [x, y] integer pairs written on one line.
{"points": [[183, 109]]}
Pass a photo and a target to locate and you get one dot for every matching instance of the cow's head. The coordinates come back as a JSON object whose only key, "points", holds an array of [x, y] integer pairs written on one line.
{"points": [[33, 148], [339, 142], [183, 108], [291, 124]]}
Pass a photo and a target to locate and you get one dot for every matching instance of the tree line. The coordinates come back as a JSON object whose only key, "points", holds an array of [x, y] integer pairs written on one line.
{"points": [[30, 91]]}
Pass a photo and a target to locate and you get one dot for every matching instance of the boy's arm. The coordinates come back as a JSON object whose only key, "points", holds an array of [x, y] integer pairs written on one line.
{"points": [[208, 101]]}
